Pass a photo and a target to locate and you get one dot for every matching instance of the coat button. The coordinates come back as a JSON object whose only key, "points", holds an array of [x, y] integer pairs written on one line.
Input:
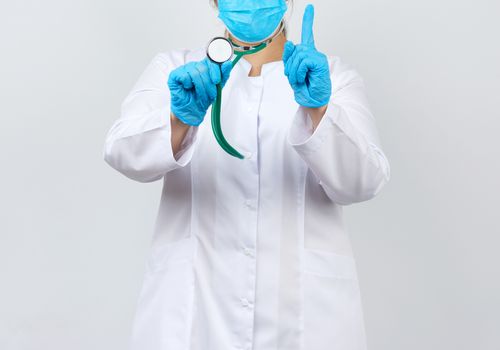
{"points": [[250, 203], [247, 252], [245, 302]]}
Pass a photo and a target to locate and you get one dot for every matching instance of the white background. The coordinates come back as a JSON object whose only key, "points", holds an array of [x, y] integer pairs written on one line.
{"points": [[74, 233]]}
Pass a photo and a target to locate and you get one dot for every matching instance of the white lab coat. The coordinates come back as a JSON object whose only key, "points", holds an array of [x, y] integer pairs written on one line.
{"points": [[251, 254]]}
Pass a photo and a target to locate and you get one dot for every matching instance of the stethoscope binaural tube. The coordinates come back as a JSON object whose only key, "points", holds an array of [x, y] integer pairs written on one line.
{"points": [[221, 50]]}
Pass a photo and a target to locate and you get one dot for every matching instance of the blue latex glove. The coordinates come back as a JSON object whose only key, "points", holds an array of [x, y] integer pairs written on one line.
{"points": [[193, 88], [306, 68]]}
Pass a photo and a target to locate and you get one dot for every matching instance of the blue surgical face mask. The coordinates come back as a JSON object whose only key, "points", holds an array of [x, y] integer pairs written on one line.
{"points": [[252, 21]]}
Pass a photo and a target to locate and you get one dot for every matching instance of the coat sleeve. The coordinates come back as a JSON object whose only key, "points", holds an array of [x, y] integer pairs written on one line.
{"points": [[344, 150], [138, 144]]}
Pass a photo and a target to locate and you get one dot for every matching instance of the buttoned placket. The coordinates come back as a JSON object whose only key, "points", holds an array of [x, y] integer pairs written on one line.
{"points": [[250, 205]]}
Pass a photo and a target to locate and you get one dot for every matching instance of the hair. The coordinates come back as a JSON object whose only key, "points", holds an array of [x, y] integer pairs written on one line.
{"points": [[215, 5]]}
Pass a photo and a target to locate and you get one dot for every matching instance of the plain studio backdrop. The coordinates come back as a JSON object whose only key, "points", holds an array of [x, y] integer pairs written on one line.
{"points": [[74, 233]]}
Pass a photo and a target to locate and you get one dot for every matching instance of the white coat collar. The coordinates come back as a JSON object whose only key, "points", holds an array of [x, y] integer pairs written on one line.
{"points": [[246, 66]]}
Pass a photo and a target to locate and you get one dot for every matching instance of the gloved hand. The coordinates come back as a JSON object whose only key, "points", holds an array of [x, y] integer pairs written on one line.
{"points": [[306, 68], [193, 88]]}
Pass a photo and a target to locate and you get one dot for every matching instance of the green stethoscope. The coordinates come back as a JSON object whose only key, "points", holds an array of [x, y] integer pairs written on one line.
{"points": [[220, 50]]}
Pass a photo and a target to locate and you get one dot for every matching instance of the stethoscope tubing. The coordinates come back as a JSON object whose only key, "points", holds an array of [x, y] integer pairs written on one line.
{"points": [[216, 106]]}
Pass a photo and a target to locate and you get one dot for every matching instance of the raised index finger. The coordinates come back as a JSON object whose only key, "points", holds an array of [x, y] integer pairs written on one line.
{"points": [[307, 26]]}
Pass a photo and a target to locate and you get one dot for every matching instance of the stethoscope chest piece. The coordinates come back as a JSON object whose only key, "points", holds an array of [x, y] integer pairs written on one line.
{"points": [[220, 50]]}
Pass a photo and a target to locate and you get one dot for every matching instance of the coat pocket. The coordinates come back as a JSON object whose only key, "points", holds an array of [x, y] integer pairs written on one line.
{"points": [[333, 317], [164, 312], [323, 263], [166, 256]]}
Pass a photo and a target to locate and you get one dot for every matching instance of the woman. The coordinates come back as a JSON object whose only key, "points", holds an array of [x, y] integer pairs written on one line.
{"points": [[253, 253]]}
